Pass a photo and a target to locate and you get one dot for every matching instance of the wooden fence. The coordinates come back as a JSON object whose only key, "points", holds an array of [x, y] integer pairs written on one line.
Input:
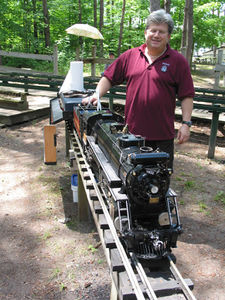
{"points": [[219, 68], [53, 58]]}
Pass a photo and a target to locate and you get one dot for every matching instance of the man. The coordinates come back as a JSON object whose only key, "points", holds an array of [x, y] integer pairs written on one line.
{"points": [[155, 75], [111, 56]]}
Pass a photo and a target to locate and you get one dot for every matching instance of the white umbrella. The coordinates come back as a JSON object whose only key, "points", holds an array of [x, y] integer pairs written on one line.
{"points": [[85, 30]]}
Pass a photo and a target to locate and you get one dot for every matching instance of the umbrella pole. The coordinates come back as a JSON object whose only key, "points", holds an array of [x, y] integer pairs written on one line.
{"points": [[78, 53], [93, 65]]}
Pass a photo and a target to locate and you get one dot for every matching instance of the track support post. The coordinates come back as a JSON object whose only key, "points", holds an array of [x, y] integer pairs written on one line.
{"points": [[67, 140], [83, 206]]}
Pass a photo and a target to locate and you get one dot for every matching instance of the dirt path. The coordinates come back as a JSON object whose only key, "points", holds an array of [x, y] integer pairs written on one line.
{"points": [[44, 257], [41, 257]]}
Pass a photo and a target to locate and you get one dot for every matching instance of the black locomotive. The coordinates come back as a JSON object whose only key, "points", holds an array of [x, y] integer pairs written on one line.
{"points": [[135, 181]]}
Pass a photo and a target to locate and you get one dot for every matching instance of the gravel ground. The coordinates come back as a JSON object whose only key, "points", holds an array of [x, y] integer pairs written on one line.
{"points": [[45, 253]]}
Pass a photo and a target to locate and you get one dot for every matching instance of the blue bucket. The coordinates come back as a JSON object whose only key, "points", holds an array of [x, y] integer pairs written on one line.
{"points": [[74, 186], [74, 180]]}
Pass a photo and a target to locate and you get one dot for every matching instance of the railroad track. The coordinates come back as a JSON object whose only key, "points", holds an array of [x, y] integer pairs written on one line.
{"points": [[130, 279]]}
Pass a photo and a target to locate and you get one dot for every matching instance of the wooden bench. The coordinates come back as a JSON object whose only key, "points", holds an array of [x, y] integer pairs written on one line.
{"points": [[205, 99], [28, 81]]}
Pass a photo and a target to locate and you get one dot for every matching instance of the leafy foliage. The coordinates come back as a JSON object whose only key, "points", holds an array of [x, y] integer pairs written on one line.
{"points": [[22, 26]]}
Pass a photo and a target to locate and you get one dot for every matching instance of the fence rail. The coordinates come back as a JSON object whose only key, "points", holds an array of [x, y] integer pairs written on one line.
{"points": [[52, 58]]}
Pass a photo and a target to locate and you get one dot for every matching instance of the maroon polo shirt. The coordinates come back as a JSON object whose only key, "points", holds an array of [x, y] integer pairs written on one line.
{"points": [[152, 90]]}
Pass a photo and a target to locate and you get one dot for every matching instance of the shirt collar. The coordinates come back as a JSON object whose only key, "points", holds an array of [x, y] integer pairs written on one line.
{"points": [[143, 47]]}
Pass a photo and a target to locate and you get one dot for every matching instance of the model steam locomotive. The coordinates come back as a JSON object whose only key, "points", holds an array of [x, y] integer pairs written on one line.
{"points": [[135, 181]]}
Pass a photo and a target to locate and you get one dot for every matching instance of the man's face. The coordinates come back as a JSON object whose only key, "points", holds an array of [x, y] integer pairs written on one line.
{"points": [[157, 36]]}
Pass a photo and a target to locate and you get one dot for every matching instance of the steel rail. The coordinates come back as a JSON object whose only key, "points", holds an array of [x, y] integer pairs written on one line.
{"points": [[186, 290], [125, 260], [149, 290]]}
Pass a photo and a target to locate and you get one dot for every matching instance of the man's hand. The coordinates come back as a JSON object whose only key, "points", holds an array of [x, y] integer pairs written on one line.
{"points": [[183, 134], [184, 131], [103, 86], [90, 100]]}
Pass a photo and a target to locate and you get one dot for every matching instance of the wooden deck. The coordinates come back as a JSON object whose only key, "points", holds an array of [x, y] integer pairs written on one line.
{"points": [[38, 106]]}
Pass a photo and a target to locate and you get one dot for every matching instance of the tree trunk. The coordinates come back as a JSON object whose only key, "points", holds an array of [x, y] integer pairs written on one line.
{"points": [[35, 26], [46, 23], [101, 24], [184, 30], [0, 56], [113, 14], [167, 4], [121, 27], [95, 17], [154, 5], [95, 12], [26, 25], [189, 32], [80, 21]]}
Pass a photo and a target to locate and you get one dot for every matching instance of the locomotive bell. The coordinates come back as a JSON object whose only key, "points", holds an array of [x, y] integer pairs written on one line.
{"points": [[145, 149]]}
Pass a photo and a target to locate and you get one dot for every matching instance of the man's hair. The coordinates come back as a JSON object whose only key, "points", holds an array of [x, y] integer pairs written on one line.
{"points": [[159, 17]]}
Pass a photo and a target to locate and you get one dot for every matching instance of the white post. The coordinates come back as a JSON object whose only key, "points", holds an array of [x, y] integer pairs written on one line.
{"points": [[217, 72]]}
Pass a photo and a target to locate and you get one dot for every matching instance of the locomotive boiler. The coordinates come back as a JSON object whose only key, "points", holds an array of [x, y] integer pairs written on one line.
{"points": [[135, 182]]}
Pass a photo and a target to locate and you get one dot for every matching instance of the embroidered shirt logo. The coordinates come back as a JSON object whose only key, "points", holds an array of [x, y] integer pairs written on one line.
{"points": [[164, 67]]}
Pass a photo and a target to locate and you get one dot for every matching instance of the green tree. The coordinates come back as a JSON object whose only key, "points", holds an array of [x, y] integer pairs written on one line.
{"points": [[22, 25], [208, 25]]}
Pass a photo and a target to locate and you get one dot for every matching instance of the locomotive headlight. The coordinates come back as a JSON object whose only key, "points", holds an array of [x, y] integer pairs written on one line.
{"points": [[154, 189], [164, 219]]}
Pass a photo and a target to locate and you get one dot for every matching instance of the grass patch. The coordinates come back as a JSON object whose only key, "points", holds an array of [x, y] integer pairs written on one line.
{"points": [[100, 261], [92, 249], [189, 185], [72, 224], [179, 178], [46, 235], [199, 164], [55, 273], [51, 183], [202, 206], [185, 174], [220, 197], [62, 287]]}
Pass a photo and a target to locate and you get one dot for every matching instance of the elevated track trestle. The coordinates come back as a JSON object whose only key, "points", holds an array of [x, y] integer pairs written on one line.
{"points": [[130, 280]]}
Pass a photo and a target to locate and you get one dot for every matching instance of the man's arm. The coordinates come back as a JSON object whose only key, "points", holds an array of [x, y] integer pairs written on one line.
{"points": [[184, 131], [103, 86]]}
